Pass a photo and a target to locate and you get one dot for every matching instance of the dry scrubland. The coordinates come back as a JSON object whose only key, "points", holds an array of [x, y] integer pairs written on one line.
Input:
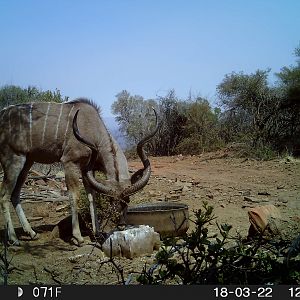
{"points": [[219, 178]]}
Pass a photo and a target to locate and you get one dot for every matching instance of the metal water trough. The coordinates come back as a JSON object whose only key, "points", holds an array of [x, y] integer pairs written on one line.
{"points": [[168, 219]]}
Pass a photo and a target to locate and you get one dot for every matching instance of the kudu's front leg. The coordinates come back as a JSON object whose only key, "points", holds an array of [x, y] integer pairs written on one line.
{"points": [[91, 197], [72, 182]]}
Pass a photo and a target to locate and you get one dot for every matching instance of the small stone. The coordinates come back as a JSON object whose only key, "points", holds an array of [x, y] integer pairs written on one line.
{"points": [[62, 207], [282, 200], [246, 193], [40, 182], [264, 193], [185, 189], [251, 199], [32, 219], [173, 197], [152, 193], [75, 258]]}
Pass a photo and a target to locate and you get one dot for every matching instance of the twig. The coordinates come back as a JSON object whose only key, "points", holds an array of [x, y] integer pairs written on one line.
{"points": [[63, 198], [4, 257], [53, 276], [111, 260]]}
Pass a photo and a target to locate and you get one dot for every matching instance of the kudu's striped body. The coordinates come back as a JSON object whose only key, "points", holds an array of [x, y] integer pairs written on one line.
{"points": [[48, 133]]}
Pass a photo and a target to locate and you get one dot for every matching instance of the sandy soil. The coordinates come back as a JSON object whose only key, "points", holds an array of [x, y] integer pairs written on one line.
{"points": [[217, 177]]}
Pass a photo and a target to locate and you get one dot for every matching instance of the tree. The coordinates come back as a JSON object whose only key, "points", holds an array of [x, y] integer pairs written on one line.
{"points": [[11, 95], [250, 106], [251, 111], [186, 127], [134, 116], [201, 131], [173, 122], [288, 124]]}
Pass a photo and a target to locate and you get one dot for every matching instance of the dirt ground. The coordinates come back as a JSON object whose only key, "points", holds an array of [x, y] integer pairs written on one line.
{"points": [[231, 185]]}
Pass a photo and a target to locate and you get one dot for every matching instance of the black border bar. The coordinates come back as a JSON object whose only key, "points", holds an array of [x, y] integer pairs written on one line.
{"points": [[141, 292]]}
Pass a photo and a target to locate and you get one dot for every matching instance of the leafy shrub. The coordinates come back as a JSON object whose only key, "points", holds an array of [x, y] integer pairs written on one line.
{"points": [[106, 209], [264, 152], [199, 258]]}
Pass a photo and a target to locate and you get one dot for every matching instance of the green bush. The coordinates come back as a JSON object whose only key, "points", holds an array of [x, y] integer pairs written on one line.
{"points": [[106, 209], [201, 258], [264, 152]]}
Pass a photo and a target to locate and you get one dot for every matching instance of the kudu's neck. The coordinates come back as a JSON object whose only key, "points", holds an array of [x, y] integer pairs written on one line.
{"points": [[112, 157]]}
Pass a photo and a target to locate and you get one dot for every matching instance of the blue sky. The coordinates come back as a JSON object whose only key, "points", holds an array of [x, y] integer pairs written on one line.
{"points": [[98, 48]]}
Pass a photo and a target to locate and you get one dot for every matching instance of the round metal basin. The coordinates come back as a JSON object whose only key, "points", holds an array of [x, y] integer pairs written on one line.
{"points": [[168, 219]]}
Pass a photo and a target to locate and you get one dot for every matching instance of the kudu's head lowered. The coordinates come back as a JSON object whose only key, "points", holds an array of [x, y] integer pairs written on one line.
{"points": [[115, 190]]}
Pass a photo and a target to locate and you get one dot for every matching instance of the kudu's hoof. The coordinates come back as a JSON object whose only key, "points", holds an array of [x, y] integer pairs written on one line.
{"points": [[77, 242], [14, 243], [36, 236]]}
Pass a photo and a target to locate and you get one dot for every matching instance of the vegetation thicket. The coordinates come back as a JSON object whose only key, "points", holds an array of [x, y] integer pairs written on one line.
{"points": [[250, 111]]}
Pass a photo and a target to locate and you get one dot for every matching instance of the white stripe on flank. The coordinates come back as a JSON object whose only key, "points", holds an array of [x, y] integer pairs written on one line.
{"points": [[57, 125], [9, 125], [45, 122], [68, 123], [20, 125], [30, 124]]}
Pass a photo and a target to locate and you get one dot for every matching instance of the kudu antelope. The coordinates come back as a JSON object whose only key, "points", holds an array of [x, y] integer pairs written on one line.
{"points": [[74, 134]]}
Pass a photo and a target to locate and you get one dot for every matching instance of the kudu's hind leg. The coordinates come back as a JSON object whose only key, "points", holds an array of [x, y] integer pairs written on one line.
{"points": [[15, 199], [12, 167]]}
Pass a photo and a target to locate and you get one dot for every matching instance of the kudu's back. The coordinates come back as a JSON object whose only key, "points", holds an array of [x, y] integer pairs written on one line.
{"points": [[43, 131]]}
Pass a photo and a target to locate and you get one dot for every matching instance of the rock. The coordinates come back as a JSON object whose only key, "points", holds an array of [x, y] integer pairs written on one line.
{"points": [[264, 193], [246, 193], [32, 219], [196, 183], [172, 197], [62, 207], [252, 199], [132, 242], [282, 200], [152, 193], [185, 189], [177, 189], [88, 250], [40, 182], [75, 258], [163, 198]]}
